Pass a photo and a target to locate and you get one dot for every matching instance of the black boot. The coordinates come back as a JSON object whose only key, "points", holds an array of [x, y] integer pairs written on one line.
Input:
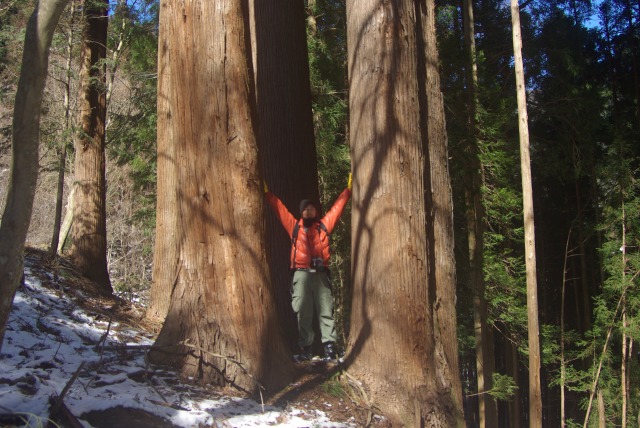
{"points": [[304, 355], [330, 351]]}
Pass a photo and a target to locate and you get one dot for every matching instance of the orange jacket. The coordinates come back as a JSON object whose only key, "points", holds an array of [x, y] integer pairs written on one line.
{"points": [[312, 242]]}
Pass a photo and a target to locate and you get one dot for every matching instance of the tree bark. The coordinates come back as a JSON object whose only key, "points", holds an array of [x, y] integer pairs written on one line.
{"points": [[475, 217], [89, 229], [62, 154], [221, 325], [512, 368], [25, 142], [168, 234], [399, 344], [535, 393], [441, 205], [285, 130]]}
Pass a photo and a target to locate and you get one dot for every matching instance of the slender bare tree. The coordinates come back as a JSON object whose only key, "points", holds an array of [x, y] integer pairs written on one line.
{"points": [[535, 393], [25, 142], [62, 150]]}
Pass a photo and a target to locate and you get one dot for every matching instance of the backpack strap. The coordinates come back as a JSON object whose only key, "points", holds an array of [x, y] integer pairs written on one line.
{"points": [[296, 228]]}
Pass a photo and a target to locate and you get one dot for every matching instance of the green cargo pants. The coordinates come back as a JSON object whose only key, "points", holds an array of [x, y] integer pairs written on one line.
{"points": [[312, 291]]}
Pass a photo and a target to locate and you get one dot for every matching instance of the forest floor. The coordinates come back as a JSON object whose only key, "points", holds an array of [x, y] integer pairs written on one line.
{"points": [[78, 359]]}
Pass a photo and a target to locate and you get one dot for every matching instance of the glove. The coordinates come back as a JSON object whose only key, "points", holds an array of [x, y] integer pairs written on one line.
{"points": [[264, 184], [349, 182]]}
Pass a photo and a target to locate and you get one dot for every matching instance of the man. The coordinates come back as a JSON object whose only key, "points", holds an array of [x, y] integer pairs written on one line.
{"points": [[309, 261]]}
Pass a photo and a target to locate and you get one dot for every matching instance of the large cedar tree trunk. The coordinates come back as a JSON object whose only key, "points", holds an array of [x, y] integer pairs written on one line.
{"points": [[285, 130], [221, 324], [24, 151], [89, 229], [401, 346]]}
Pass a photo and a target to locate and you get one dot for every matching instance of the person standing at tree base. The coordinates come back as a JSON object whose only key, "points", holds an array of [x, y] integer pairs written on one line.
{"points": [[309, 261]]}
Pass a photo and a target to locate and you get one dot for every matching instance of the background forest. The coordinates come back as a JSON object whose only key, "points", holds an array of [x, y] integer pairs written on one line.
{"points": [[581, 65]]}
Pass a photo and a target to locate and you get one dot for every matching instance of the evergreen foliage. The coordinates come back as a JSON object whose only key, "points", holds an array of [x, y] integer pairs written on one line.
{"points": [[326, 42], [132, 125]]}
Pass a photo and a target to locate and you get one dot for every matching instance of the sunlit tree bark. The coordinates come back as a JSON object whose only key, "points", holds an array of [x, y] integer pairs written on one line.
{"points": [[535, 392], [221, 324], [403, 311], [88, 249]]}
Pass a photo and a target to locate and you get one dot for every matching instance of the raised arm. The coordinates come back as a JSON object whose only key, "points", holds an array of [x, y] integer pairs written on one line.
{"points": [[333, 215], [286, 218]]}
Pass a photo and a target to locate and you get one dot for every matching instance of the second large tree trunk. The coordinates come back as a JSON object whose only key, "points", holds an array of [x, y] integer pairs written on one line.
{"points": [[221, 325], [402, 339], [285, 131], [89, 230]]}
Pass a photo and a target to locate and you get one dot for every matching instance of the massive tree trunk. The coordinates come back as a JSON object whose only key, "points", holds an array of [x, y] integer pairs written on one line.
{"points": [[221, 324], [24, 159], [285, 130], [400, 344], [89, 229], [535, 392]]}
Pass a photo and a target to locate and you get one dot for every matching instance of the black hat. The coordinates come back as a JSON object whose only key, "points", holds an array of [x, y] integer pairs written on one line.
{"points": [[306, 202]]}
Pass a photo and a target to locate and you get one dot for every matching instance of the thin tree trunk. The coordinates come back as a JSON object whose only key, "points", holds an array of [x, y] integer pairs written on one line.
{"points": [[603, 354], [623, 364], [399, 344], [117, 52], [515, 404], [584, 317], [62, 164], [25, 142], [535, 393], [441, 201], [63, 145], [475, 216], [602, 415], [563, 368], [221, 325], [89, 231], [65, 228]]}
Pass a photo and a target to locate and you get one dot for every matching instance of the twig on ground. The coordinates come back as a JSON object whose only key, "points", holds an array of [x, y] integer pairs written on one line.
{"points": [[60, 398]]}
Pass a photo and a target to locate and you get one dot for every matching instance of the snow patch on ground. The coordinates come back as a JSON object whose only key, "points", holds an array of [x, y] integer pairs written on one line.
{"points": [[48, 339]]}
